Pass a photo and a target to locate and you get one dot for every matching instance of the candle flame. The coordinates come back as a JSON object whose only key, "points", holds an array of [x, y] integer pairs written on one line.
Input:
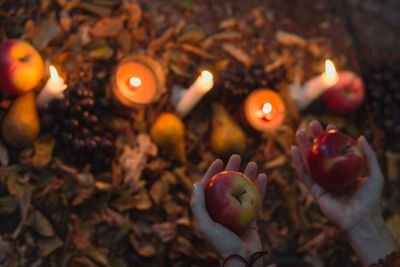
{"points": [[267, 108], [53, 74], [206, 76], [135, 82], [329, 69]]}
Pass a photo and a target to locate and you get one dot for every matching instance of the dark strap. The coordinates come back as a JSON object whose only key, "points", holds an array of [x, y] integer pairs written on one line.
{"points": [[253, 258]]}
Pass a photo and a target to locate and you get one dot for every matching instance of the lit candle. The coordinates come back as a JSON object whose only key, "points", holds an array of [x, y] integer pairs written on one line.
{"points": [[196, 91], [135, 81], [305, 95], [264, 110], [54, 88]]}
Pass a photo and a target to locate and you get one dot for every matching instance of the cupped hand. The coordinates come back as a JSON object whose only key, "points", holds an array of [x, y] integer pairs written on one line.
{"points": [[224, 241], [347, 208]]}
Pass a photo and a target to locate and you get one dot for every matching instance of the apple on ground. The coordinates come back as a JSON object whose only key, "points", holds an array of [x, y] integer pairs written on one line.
{"points": [[21, 67], [346, 95], [232, 200], [335, 161]]}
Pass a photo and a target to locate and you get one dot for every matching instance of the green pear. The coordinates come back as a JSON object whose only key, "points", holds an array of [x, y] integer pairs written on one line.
{"points": [[227, 137], [21, 123], [168, 132]]}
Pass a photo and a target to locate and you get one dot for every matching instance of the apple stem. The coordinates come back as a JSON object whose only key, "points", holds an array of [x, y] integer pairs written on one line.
{"points": [[346, 149], [24, 59], [238, 196]]}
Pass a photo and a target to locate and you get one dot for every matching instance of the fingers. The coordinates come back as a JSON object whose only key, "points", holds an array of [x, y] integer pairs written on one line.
{"points": [[304, 145], [251, 170], [300, 168], [316, 128], [200, 214], [214, 168], [370, 156], [233, 163], [331, 127], [261, 184], [315, 190]]}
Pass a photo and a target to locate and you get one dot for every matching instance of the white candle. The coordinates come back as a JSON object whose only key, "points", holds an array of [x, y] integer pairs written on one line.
{"points": [[305, 95], [54, 88], [192, 96]]}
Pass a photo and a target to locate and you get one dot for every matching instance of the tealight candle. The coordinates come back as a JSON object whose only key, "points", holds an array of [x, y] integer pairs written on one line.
{"points": [[137, 80], [305, 95], [196, 91], [264, 110], [54, 88]]}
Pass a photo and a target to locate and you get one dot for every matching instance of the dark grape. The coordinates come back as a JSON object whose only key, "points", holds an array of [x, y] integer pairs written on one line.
{"points": [[78, 144], [47, 121], [87, 103], [75, 110], [71, 124]]}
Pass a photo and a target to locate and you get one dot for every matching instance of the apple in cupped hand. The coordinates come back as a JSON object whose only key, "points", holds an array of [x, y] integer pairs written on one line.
{"points": [[21, 67], [335, 161], [232, 200], [346, 95]]}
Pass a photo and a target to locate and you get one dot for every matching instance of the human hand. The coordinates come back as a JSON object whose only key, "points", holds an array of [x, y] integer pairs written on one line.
{"points": [[355, 210], [224, 241], [346, 209]]}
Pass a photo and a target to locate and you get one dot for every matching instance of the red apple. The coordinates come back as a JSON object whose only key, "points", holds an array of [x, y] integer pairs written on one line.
{"points": [[346, 95], [335, 161], [232, 200], [21, 67]]}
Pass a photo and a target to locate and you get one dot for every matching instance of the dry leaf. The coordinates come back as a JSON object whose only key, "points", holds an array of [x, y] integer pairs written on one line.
{"points": [[143, 248], [41, 225], [95, 9], [287, 38], [4, 159], [238, 54], [13, 186], [46, 32], [49, 245], [98, 254], [7, 205], [140, 201], [393, 223], [4, 249], [165, 231], [43, 150], [107, 27], [134, 160]]}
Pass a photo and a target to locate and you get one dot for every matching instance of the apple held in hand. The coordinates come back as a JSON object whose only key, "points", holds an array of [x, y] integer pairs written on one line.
{"points": [[21, 67], [346, 95], [335, 161], [232, 200]]}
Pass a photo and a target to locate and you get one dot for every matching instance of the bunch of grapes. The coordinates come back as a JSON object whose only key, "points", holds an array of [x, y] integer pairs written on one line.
{"points": [[74, 123], [240, 80], [383, 91]]}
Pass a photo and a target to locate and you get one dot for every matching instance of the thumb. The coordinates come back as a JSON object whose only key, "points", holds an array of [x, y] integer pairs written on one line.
{"points": [[374, 170]]}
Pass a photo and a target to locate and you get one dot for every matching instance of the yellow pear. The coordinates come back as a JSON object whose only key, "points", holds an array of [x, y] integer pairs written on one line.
{"points": [[21, 123], [227, 137], [168, 132]]}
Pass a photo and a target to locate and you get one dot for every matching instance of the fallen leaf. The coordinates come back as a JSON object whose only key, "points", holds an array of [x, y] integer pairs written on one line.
{"points": [[4, 159], [140, 201], [8, 204], [95, 9], [143, 248], [4, 249], [393, 223], [238, 54], [49, 245], [287, 38], [99, 255], [107, 27], [13, 186], [46, 32], [43, 150], [102, 52], [82, 232], [41, 225], [165, 231]]}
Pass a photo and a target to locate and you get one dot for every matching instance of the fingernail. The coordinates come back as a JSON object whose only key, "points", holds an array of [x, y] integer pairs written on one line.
{"points": [[196, 187]]}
